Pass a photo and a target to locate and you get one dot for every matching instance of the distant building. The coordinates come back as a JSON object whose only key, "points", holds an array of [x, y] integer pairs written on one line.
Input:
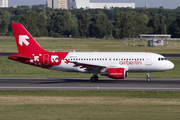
{"points": [[49, 3], [71, 4], [3, 3], [100, 5], [83, 4], [110, 5], [155, 39], [57, 4], [86, 4]]}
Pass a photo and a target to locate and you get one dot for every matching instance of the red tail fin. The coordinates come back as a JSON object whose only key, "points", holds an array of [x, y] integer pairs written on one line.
{"points": [[25, 42]]}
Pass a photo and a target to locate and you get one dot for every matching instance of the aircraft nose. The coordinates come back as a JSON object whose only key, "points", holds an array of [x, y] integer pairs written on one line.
{"points": [[170, 65]]}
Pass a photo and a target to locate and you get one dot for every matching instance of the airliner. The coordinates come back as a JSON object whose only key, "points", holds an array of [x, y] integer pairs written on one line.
{"points": [[115, 65]]}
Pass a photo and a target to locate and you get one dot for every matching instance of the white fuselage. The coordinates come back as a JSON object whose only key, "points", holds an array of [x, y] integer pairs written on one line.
{"points": [[131, 61]]}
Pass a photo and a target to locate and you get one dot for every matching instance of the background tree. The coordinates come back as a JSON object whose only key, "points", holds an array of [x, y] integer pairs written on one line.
{"points": [[60, 23], [100, 25], [4, 21], [174, 28], [74, 25], [35, 23], [129, 25], [84, 24], [157, 24]]}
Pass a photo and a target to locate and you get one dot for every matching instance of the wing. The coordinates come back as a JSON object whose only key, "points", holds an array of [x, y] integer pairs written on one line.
{"points": [[88, 67]]}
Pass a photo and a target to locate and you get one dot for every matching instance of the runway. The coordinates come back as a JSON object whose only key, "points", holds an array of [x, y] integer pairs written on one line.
{"points": [[128, 84]]}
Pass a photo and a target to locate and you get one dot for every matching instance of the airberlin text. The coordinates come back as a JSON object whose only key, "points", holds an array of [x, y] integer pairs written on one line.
{"points": [[130, 62]]}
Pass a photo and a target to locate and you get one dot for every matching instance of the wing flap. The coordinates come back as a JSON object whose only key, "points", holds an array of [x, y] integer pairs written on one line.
{"points": [[88, 66]]}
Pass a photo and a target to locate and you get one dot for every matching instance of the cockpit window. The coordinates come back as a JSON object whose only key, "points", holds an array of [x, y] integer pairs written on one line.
{"points": [[161, 59]]}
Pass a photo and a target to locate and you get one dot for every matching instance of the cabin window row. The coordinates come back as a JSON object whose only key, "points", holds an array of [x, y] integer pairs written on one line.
{"points": [[105, 59]]}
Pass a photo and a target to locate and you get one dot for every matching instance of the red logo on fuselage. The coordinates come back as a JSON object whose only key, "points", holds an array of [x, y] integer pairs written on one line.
{"points": [[130, 62]]}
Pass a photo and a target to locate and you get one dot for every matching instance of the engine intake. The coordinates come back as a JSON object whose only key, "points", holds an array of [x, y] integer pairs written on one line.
{"points": [[115, 73]]}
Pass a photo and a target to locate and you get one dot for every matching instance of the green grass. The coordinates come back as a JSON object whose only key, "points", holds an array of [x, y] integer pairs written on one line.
{"points": [[91, 45], [89, 105]]}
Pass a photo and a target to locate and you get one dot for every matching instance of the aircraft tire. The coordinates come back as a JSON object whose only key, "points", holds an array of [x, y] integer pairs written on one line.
{"points": [[93, 79], [96, 77], [149, 79]]}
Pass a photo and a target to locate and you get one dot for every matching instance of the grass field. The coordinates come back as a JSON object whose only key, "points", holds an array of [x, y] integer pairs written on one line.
{"points": [[92, 45], [89, 105]]}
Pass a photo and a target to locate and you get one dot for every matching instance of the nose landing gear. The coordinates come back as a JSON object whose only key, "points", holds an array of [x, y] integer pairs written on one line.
{"points": [[148, 77]]}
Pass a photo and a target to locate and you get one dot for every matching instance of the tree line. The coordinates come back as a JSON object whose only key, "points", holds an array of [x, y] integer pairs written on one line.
{"points": [[118, 22]]}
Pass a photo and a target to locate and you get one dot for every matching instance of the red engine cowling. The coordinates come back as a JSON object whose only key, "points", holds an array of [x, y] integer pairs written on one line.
{"points": [[116, 73]]}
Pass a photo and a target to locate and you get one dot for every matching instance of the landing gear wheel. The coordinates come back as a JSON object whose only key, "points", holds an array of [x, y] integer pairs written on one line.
{"points": [[93, 79], [149, 79], [96, 77]]}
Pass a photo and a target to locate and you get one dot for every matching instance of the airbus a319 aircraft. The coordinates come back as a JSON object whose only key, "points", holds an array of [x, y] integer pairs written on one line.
{"points": [[115, 65]]}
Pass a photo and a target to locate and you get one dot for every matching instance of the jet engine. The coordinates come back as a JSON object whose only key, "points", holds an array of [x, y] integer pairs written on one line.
{"points": [[115, 73]]}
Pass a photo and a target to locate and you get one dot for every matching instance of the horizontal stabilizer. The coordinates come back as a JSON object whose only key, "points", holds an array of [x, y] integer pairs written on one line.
{"points": [[19, 56]]}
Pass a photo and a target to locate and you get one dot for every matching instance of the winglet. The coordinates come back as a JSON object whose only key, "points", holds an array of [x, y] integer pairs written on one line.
{"points": [[25, 42]]}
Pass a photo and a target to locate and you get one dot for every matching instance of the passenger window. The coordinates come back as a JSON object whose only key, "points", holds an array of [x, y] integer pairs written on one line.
{"points": [[159, 59]]}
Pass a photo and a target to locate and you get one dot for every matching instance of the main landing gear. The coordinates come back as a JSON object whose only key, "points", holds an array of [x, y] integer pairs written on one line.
{"points": [[148, 77], [94, 78]]}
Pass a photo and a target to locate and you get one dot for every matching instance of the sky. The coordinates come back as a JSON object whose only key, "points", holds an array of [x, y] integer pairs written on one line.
{"points": [[170, 4]]}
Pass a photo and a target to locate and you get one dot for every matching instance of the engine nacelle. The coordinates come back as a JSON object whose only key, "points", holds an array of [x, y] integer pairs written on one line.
{"points": [[115, 73]]}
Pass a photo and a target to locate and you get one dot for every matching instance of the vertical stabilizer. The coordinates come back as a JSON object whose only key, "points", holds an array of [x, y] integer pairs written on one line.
{"points": [[25, 42]]}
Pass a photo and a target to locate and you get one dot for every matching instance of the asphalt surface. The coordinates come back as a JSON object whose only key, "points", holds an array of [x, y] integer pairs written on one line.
{"points": [[128, 84], [165, 55]]}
